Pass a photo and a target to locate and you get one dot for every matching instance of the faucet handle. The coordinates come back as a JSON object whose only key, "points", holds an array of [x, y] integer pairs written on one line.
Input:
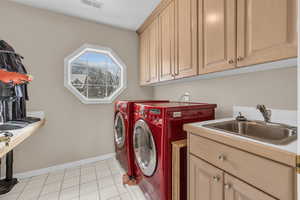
{"points": [[240, 118]]}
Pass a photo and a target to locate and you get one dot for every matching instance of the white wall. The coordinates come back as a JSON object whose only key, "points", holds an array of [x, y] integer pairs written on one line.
{"points": [[274, 88]]}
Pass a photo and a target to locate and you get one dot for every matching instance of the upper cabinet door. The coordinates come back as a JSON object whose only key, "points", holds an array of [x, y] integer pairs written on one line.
{"points": [[266, 30], [238, 190], [217, 35], [205, 181], [167, 41], [144, 58], [186, 38], [154, 51]]}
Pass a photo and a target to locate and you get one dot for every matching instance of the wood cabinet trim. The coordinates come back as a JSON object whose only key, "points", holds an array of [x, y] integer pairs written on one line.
{"points": [[176, 148], [155, 13], [216, 35], [167, 42], [144, 59], [192, 36], [239, 190], [250, 36], [154, 47], [212, 180]]}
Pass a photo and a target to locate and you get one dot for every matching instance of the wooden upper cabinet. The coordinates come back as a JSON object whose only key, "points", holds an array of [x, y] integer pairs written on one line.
{"points": [[266, 30], [144, 58], [167, 41], [217, 35], [185, 38], [238, 190], [149, 54], [205, 181], [154, 51]]}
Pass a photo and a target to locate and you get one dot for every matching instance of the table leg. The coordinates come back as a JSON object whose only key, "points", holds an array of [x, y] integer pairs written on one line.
{"points": [[8, 182]]}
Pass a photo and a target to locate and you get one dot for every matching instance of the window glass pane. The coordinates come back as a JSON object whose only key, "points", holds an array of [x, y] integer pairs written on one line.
{"points": [[95, 74], [96, 92], [82, 89]]}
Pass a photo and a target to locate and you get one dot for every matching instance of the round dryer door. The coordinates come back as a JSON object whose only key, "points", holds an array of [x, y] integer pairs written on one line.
{"points": [[120, 130], [144, 148]]}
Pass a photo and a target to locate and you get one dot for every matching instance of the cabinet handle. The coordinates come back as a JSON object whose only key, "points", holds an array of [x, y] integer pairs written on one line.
{"points": [[227, 186], [216, 178], [222, 157], [231, 61], [240, 58]]}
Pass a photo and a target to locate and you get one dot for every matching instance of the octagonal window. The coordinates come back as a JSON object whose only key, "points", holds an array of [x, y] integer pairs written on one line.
{"points": [[95, 74]]}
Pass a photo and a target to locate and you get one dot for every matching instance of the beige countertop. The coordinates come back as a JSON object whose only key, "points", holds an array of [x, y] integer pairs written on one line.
{"points": [[285, 154], [21, 134]]}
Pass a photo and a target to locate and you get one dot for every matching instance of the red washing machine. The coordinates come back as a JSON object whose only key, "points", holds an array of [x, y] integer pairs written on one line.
{"points": [[123, 131], [156, 126]]}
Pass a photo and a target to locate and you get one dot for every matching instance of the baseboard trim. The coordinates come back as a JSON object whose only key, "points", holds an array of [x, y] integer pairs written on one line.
{"points": [[63, 166]]}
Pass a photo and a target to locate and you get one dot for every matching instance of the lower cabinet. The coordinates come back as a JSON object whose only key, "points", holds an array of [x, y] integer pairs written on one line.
{"points": [[238, 190], [207, 182]]}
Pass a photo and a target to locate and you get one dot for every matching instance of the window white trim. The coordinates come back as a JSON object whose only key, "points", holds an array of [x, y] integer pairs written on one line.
{"points": [[100, 49]]}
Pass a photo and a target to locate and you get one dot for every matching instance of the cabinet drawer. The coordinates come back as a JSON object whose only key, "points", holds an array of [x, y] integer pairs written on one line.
{"points": [[269, 176]]}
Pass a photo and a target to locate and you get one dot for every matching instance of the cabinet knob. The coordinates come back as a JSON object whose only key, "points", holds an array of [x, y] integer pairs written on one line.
{"points": [[216, 178], [222, 157], [227, 186], [231, 61], [239, 59]]}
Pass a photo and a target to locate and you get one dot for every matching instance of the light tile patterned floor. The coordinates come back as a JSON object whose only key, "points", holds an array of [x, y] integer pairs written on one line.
{"points": [[101, 180]]}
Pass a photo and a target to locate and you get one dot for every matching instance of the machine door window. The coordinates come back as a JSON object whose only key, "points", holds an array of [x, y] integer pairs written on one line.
{"points": [[119, 130], [144, 148]]}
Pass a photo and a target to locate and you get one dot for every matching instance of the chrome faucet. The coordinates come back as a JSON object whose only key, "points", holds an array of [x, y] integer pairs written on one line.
{"points": [[265, 113]]}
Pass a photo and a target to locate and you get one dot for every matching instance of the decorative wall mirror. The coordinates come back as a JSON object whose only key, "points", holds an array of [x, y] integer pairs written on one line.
{"points": [[95, 74]]}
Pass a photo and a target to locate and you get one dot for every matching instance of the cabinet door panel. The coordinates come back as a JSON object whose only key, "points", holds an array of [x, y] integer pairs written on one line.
{"points": [[217, 35], [266, 30], [167, 40], [144, 58], [186, 38], [238, 190], [153, 51], [206, 181]]}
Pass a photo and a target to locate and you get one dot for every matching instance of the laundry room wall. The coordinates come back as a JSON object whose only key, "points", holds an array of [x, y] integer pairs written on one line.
{"points": [[73, 131], [275, 88]]}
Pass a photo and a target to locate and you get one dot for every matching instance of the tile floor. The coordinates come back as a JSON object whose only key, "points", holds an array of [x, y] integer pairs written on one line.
{"points": [[101, 180]]}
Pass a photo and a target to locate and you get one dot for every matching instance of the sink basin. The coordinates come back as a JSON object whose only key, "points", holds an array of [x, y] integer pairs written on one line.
{"points": [[267, 132], [12, 126]]}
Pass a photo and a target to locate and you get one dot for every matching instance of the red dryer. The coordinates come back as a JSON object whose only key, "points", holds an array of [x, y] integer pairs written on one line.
{"points": [[123, 133], [156, 126]]}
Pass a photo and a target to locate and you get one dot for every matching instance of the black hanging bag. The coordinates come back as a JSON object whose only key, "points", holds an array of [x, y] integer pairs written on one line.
{"points": [[13, 98]]}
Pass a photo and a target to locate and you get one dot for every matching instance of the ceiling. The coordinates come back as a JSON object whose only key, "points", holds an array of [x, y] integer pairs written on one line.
{"points": [[129, 14]]}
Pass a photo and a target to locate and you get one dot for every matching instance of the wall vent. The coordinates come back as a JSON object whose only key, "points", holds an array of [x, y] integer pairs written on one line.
{"points": [[92, 3]]}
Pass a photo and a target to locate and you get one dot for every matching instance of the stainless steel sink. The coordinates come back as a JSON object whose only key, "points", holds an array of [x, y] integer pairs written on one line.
{"points": [[12, 125], [263, 131]]}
